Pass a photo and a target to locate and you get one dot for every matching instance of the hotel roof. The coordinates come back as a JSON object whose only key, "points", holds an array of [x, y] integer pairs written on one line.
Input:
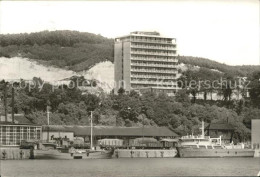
{"points": [[146, 34]]}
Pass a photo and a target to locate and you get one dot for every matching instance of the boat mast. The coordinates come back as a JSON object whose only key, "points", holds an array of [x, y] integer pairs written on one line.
{"points": [[5, 100], [48, 122], [202, 130], [91, 131], [12, 104]]}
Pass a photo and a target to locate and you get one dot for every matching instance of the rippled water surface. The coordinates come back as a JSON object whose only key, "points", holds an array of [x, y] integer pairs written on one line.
{"points": [[132, 167]]}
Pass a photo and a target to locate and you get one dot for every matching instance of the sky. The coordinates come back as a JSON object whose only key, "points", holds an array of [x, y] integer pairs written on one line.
{"points": [[226, 31]]}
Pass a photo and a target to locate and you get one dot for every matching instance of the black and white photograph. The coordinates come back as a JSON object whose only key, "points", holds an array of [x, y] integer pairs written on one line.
{"points": [[114, 88]]}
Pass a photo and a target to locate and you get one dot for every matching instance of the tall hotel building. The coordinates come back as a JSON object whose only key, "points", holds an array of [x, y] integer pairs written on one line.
{"points": [[145, 60]]}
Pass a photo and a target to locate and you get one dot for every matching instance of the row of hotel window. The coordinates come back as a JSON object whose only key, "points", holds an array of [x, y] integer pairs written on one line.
{"points": [[154, 75], [154, 58], [138, 86], [154, 64], [141, 68], [150, 38], [157, 46], [151, 52], [146, 39], [154, 82]]}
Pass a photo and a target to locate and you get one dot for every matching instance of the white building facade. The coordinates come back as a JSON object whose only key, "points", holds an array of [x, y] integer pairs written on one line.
{"points": [[145, 60]]}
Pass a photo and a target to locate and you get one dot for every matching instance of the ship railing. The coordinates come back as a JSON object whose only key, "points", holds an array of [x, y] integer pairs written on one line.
{"points": [[195, 137]]}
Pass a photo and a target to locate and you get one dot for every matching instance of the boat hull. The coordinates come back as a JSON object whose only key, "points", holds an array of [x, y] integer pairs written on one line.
{"points": [[51, 154], [98, 154], [213, 153], [56, 154]]}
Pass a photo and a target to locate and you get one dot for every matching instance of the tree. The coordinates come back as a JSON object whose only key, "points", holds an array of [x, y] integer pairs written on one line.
{"points": [[128, 113], [91, 101], [254, 89], [121, 91], [133, 94], [248, 114], [189, 81], [182, 96]]}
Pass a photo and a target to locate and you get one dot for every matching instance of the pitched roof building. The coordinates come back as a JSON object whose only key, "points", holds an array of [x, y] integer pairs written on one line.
{"points": [[219, 126], [224, 130]]}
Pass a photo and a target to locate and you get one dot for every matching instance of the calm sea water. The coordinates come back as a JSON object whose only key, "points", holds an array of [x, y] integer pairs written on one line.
{"points": [[131, 167]]}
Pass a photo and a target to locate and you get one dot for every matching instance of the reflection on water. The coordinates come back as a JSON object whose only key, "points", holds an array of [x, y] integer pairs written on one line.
{"points": [[132, 167]]}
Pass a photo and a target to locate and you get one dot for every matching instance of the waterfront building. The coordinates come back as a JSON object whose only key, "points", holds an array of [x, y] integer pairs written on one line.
{"points": [[13, 133], [226, 131], [255, 133], [145, 59], [107, 132], [52, 132]]}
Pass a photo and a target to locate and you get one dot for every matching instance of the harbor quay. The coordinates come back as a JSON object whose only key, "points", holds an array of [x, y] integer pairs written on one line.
{"points": [[257, 153], [15, 153], [20, 139], [148, 153], [255, 140]]}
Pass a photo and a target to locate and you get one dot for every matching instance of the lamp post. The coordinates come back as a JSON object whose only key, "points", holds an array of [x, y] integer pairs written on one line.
{"points": [[5, 84], [48, 122], [143, 110], [143, 129], [91, 125], [12, 105], [91, 131]]}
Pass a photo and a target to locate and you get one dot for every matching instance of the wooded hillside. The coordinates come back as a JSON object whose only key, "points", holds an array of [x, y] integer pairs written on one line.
{"points": [[66, 49], [80, 50]]}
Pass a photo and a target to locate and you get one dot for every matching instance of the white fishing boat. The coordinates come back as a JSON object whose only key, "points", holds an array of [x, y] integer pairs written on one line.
{"points": [[205, 146]]}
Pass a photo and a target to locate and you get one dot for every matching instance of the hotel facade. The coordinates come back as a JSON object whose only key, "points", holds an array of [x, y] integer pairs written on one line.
{"points": [[145, 60]]}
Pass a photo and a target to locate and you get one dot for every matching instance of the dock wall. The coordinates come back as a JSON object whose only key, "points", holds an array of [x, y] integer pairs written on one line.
{"points": [[257, 153], [144, 153], [14, 154]]}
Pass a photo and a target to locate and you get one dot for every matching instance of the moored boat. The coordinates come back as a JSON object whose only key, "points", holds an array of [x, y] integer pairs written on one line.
{"points": [[99, 154], [213, 152], [51, 154], [72, 154], [49, 150], [204, 146]]}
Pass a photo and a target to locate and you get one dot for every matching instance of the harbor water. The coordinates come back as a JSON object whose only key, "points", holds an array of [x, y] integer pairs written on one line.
{"points": [[132, 167]]}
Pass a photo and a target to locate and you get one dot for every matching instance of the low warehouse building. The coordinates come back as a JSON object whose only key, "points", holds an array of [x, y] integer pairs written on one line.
{"points": [[105, 132]]}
